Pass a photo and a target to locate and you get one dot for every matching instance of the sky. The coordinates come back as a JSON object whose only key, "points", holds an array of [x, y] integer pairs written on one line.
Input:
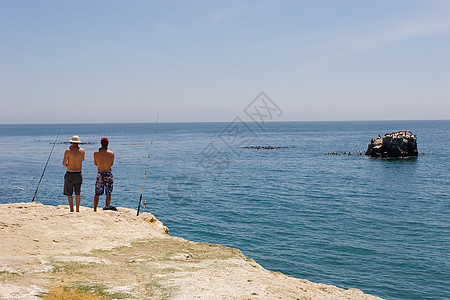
{"points": [[197, 61]]}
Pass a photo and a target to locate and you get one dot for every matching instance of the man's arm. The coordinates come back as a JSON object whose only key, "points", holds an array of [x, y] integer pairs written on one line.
{"points": [[95, 157], [65, 161], [112, 158]]}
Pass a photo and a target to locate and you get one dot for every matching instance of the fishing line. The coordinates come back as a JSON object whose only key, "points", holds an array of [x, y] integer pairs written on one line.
{"points": [[146, 168], [43, 171]]}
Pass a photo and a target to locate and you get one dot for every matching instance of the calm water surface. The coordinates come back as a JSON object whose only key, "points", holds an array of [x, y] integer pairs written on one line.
{"points": [[382, 226]]}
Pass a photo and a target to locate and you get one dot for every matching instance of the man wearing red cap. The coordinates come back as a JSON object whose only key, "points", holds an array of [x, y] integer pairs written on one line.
{"points": [[104, 159]]}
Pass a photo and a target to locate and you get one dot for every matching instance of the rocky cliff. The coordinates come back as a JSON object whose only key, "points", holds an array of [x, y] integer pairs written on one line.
{"points": [[49, 253]]}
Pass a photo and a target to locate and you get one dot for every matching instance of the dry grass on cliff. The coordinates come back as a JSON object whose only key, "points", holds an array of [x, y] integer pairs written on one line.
{"points": [[142, 269]]}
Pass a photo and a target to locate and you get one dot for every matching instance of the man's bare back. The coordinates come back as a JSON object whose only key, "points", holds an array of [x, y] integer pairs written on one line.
{"points": [[73, 158], [103, 159], [73, 161]]}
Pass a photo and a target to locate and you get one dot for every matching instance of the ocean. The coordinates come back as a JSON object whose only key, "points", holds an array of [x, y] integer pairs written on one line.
{"points": [[382, 226]]}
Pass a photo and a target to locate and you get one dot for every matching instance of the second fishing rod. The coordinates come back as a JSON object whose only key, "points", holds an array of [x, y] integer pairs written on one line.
{"points": [[144, 203]]}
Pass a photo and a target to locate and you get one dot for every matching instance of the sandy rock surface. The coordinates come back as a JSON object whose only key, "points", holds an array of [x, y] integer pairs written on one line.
{"points": [[32, 231], [49, 253]]}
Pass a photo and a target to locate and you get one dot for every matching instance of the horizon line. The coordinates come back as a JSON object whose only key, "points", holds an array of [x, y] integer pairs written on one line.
{"points": [[197, 122]]}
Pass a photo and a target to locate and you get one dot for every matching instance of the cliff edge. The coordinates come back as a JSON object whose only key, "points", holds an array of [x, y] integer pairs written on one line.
{"points": [[49, 253]]}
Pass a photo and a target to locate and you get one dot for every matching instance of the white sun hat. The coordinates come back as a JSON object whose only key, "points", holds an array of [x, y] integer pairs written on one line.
{"points": [[75, 139]]}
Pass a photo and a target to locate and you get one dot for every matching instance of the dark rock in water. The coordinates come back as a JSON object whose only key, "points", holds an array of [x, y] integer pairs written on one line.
{"points": [[356, 152], [268, 147], [82, 143], [393, 145]]}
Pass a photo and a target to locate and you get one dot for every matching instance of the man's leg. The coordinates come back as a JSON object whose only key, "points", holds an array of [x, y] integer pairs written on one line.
{"points": [[96, 197], [77, 190], [99, 189], [68, 190], [108, 200], [78, 200], [70, 199], [109, 188]]}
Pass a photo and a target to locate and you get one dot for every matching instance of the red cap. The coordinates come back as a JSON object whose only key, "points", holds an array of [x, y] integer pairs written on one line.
{"points": [[104, 141]]}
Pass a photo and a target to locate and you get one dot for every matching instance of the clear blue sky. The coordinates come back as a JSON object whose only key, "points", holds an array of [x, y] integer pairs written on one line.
{"points": [[127, 61]]}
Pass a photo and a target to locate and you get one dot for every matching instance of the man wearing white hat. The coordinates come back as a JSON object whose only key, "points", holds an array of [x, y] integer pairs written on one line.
{"points": [[73, 160]]}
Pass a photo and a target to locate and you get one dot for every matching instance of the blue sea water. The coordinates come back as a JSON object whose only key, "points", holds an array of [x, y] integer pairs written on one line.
{"points": [[382, 226]]}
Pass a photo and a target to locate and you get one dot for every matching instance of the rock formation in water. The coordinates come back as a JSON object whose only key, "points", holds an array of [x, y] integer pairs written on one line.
{"points": [[393, 145], [267, 147]]}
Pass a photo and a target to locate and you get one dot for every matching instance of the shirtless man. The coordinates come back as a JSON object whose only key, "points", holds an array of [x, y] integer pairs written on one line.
{"points": [[73, 160], [104, 159]]}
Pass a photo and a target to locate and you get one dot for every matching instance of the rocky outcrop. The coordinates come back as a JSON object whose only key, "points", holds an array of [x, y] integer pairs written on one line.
{"points": [[393, 145], [49, 253]]}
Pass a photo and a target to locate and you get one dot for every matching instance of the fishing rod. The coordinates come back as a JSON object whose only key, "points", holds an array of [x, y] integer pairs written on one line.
{"points": [[146, 168], [43, 171]]}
